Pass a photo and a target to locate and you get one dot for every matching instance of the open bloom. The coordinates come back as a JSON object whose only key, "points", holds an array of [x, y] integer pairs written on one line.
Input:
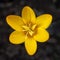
{"points": [[29, 29]]}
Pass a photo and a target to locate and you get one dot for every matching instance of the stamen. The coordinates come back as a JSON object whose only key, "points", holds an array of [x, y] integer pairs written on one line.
{"points": [[31, 33], [26, 28], [33, 27]]}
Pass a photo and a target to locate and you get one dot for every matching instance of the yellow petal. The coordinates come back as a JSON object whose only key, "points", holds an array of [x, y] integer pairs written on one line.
{"points": [[28, 14], [31, 46], [44, 20], [15, 22], [17, 37], [41, 35]]}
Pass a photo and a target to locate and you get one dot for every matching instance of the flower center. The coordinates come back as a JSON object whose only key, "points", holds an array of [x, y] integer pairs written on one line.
{"points": [[29, 29]]}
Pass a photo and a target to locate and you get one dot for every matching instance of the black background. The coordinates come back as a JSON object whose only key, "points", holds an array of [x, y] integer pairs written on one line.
{"points": [[49, 50]]}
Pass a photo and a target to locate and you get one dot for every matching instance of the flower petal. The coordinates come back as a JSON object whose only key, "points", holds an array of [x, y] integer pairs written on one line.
{"points": [[17, 37], [41, 35], [31, 46], [15, 22], [44, 20], [28, 14]]}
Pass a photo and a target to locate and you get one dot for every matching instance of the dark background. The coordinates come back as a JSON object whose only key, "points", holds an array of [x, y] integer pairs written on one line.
{"points": [[49, 50]]}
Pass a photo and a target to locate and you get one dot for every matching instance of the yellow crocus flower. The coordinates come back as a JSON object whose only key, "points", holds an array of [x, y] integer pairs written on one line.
{"points": [[29, 29]]}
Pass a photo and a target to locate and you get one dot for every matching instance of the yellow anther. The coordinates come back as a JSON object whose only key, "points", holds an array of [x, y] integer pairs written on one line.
{"points": [[25, 28], [31, 33], [33, 27]]}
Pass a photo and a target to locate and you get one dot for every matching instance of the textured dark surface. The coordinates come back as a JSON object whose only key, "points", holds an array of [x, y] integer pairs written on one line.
{"points": [[49, 50]]}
